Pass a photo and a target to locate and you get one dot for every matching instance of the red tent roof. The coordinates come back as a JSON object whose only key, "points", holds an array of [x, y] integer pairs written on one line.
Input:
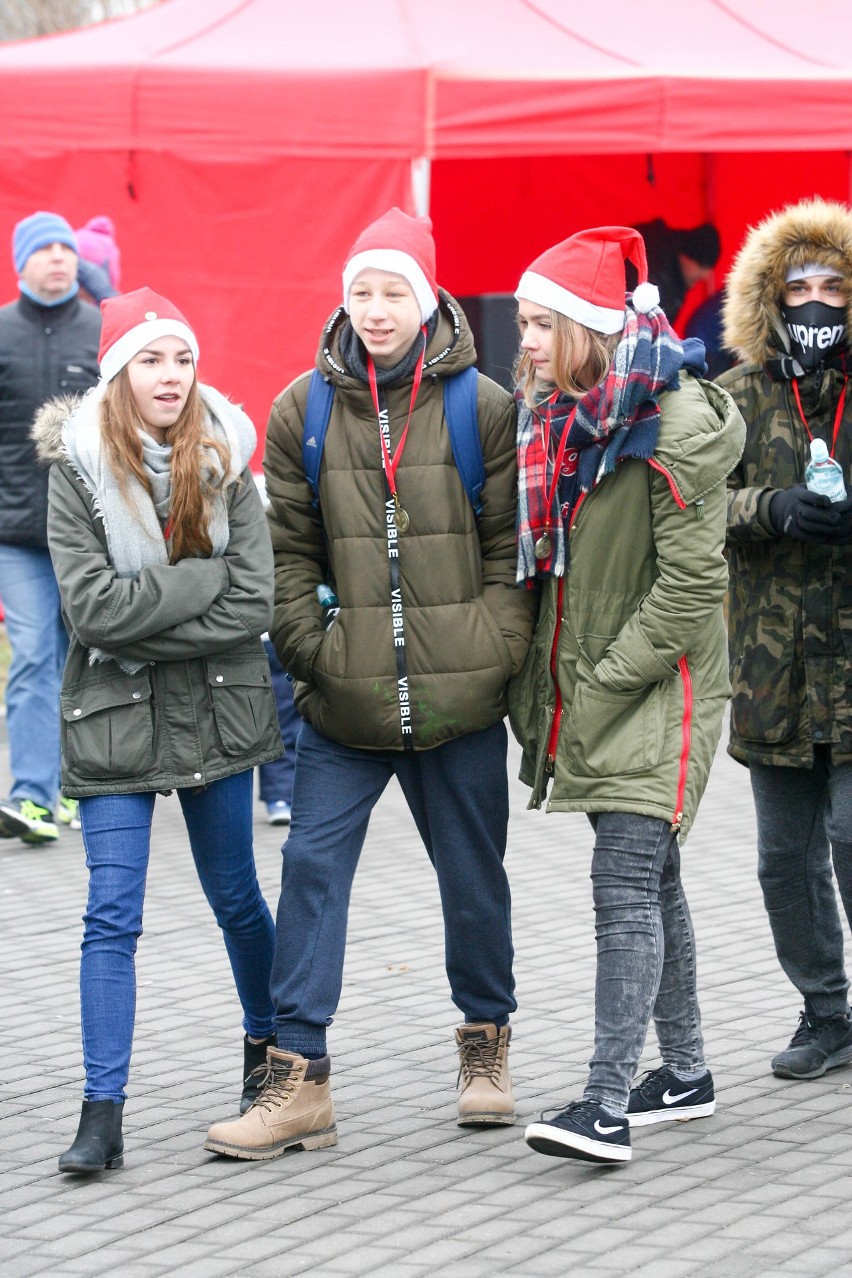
{"points": [[451, 78], [241, 145]]}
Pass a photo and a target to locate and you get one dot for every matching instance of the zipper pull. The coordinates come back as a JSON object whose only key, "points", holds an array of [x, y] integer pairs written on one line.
{"points": [[699, 508]]}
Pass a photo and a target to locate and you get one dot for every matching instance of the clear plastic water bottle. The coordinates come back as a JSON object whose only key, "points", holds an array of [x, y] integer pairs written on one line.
{"points": [[329, 603], [823, 474]]}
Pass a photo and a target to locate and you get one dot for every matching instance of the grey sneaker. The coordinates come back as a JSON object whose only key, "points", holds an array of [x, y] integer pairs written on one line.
{"points": [[819, 1044]]}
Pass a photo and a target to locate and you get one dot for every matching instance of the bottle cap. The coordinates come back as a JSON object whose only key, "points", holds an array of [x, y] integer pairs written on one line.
{"points": [[819, 450]]}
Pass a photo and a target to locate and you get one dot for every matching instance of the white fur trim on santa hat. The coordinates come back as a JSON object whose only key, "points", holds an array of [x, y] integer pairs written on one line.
{"points": [[544, 292], [136, 339], [397, 263], [810, 269], [645, 297]]}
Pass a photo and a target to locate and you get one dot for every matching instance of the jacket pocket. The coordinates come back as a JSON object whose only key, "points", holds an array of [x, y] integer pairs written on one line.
{"points": [[611, 734], [530, 693], [108, 728], [242, 701], [497, 637]]}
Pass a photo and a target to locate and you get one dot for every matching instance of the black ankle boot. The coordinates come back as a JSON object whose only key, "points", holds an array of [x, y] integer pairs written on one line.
{"points": [[254, 1060], [98, 1144]]}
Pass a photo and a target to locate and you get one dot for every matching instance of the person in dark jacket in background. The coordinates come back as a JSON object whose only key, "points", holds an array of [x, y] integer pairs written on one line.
{"points": [[678, 259], [705, 324], [788, 317], [48, 346], [164, 563]]}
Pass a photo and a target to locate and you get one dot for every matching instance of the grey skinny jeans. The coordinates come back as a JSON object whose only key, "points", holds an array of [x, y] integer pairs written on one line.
{"points": [[804, 821], [646, 954]]}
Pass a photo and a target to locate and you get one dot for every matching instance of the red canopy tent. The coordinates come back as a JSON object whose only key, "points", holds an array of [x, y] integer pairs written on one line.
{"points": [[240, 145]]}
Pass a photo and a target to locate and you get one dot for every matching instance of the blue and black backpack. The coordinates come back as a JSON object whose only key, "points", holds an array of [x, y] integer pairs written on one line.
{"points": [[462, 421]]}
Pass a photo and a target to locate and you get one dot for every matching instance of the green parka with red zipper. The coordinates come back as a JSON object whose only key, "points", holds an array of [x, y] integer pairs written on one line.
{"points": [[621, 698]]}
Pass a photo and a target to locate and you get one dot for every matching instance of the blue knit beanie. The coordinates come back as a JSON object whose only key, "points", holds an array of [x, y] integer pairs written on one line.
{"points": [[36, 232]]}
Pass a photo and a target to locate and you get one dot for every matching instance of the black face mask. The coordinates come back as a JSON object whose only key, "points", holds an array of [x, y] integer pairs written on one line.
{"points": [[817, 331]]}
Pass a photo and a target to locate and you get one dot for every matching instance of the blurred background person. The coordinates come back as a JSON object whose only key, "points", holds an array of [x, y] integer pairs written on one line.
{"points": [[99, 268], [678, 259], [48, 346]]}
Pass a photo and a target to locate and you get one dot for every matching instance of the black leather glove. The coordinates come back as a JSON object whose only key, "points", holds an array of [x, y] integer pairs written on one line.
{"points": [[797, 512], [842, 532]]}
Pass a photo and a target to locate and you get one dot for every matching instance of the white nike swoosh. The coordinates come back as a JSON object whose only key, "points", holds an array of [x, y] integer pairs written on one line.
{"points": [[668, 1099], [606, 1131]]}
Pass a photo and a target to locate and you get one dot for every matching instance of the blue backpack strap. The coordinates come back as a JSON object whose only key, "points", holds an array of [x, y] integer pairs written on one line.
{"points": [[463, 423], [317, 413]]}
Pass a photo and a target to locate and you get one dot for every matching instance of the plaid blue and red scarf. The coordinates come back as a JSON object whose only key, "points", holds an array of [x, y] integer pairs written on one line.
{"points": [[618, 418]]}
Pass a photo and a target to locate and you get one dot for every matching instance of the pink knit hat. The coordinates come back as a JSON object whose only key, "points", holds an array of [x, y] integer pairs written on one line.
{"points": [[96, 242], [583, 278], [401, 244]]}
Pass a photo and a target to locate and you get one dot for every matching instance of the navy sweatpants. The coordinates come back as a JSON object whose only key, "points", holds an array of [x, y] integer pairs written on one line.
{"points": [[458, 796]]}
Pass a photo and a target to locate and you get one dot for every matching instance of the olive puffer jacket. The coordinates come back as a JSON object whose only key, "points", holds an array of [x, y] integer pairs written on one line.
{"points": [[635, 630], [201, 708], [466, 626]]}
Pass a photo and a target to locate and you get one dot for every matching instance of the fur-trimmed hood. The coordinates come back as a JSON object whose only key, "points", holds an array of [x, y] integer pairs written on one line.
{"points": [[811, 231], [49, 426]]}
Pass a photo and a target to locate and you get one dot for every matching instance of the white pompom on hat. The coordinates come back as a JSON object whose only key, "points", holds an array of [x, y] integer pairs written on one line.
{"points": [[583, 277], [403, 245], [132, 321]]}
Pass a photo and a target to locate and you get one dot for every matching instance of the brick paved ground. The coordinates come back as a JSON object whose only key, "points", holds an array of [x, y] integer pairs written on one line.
{"points": [[762, 1188]]}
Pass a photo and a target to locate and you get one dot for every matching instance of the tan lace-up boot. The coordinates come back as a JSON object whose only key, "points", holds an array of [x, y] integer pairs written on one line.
{"points": [[294, 1107], [485, 1095]]}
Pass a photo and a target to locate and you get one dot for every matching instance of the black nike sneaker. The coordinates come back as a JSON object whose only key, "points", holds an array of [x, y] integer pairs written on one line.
{"points": [[661, 1097], [583, 1130]]}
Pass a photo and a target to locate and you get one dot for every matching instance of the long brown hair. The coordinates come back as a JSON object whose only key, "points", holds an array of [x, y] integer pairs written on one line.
{"points": [[194, 482], [600, 350]]}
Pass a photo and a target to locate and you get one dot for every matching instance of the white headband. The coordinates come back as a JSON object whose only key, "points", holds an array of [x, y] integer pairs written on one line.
{"points": [[810, 269]]}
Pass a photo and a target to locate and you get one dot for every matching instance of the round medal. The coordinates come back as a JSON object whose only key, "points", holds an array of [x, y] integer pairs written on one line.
{"points": [[400, 518], [543, 546]]}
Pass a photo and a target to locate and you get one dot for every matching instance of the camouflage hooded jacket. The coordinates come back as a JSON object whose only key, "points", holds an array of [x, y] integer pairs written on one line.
{"points": [[790, 602]]}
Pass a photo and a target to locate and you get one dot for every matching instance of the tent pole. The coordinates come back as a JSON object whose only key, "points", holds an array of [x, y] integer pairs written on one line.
{"points": [[421, 175], [708, 161]]}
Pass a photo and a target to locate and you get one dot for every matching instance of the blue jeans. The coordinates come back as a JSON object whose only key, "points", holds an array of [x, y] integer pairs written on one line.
{"points": [[39, 647], [276, 778], [646, 954], [458, 796], [117, 836], [804, 821]]}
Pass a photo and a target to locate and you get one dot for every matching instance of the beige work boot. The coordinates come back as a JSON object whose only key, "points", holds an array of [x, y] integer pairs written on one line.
{"points": [[294, 1107], [485, 1095]]}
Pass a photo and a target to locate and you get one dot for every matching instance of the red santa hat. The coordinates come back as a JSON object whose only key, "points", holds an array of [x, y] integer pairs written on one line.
{"points": [[583, 278], [132, 322], [403, 245]]}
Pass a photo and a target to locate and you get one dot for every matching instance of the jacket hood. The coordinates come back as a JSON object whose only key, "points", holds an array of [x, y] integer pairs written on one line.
{"points": [[67, 413], [450, 349], [811, 231], [702, 435]]}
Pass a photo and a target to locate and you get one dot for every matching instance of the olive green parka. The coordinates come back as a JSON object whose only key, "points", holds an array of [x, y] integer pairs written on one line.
{"points": [[467, 626], [201, 707], [634, 632]]}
